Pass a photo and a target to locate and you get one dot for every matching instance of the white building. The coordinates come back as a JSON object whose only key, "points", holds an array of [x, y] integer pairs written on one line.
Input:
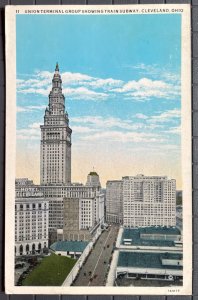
{"points": [[86, 213], [114, 201], [82, 216], [90, 198], [55, 149], [55, 195], [149, 201], [93, 179], [31, 219]]}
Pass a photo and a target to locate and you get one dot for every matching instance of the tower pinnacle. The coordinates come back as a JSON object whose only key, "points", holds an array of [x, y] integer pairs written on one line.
{"points": [[57, 67]]}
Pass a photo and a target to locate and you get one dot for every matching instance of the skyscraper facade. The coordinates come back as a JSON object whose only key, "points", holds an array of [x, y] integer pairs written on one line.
{"points": [[31, 218], [149, 201], [114, 201], [55, 151]]}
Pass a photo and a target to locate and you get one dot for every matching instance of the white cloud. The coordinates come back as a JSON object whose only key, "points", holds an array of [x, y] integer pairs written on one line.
{"points": [[79, 79], [82, 86], [34, 90], [35, 126], [166, 116], [28, 134], [69, 78], [174, 130], [32, 132], [30, 108], [82, 129], [99, 122], [106, 84], [146, 89], [141, 116], [124, 137], [155, 71], [151, 122], [84, 93], [21, 109]]}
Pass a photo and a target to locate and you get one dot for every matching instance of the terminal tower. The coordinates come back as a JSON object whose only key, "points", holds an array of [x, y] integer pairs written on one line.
{"points": [[55, 152]]}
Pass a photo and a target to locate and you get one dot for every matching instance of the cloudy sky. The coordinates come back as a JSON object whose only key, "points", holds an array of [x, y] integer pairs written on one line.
{"points": [[121, 80]]}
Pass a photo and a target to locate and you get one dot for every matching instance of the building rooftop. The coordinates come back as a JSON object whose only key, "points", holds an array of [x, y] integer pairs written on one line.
{"points": [[73, 246], [135, 234], [149, 260], [93, 173]]}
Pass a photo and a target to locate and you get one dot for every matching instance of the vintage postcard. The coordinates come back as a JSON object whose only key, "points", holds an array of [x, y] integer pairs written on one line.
{"points": [[98, 150]]}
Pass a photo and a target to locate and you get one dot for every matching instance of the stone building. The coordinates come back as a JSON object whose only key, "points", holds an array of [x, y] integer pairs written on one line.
{"points": [[93, 179], [55, 149], [77, 221], [31, 219], [149, 201]]}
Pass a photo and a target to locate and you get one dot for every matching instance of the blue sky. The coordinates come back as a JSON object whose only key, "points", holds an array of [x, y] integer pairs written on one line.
{"points": [[121, 80]]}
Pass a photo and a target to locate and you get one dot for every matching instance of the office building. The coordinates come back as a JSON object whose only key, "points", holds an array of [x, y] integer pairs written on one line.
{"points": [[114, 201], [31, 219], [55, 149], [149, 201]]}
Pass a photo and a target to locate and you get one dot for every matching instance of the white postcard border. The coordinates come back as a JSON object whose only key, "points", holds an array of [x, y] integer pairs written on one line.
{"points": [[186, 289]]}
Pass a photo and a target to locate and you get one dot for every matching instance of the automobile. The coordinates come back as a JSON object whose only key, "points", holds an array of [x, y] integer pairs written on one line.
{"points": [[19, 265]]}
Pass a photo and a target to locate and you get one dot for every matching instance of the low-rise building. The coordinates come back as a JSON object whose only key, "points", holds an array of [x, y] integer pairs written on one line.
{"points": [[153, 265], [150, 238], [147, 253], [31, 219], [72, 249]]}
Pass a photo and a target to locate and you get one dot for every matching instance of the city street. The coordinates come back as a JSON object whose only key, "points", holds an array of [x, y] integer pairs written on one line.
{"points": [[95, 269]]}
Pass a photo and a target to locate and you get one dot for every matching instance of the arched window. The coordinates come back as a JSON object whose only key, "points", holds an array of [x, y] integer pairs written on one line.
{"points": [[39, 246], [27, 248], [21, 249], [33, 247]]}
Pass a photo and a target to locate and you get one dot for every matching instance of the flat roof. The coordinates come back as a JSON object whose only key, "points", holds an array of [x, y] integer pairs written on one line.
{"points": [[147, 260], [135, 235], [69, 246]]}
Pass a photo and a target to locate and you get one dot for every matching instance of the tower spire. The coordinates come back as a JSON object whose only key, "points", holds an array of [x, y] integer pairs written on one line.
{"points": [[57, 67]]}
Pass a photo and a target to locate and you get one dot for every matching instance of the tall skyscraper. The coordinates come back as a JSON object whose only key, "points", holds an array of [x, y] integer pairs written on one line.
{"points": [[55, 154]]}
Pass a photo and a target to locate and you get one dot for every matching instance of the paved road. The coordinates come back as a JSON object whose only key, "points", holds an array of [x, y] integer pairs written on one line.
{"points": [[95, 269]]}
